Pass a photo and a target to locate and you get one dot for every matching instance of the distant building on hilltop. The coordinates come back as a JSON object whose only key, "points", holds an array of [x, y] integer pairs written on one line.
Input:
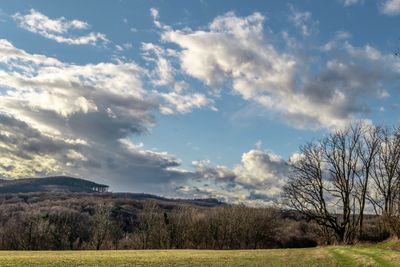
{"points": [[100, 188]]}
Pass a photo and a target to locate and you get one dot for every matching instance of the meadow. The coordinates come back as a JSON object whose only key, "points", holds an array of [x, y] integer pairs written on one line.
{"points": [[372, 255]]}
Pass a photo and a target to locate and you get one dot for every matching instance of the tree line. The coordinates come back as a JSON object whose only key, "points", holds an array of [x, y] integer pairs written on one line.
{"points": [[93, 221], [336, 180]]}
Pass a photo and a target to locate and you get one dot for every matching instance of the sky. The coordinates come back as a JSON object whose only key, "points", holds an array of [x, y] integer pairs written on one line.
{"points": [[189, 99]]}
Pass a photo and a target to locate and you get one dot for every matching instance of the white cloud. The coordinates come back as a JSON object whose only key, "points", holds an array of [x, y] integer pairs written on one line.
{"points": [[391, 7], [262, 169], [387, 7], [163, 73], [301, 20], [9, 53], [258, 180], [154, 14], [58, 29], [65, 88], [174, 102], [123, 47], [234, 51], [351, 2], [178, 99]]}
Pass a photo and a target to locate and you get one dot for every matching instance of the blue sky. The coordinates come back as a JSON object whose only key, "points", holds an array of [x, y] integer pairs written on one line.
{"points": [[188, 98]]}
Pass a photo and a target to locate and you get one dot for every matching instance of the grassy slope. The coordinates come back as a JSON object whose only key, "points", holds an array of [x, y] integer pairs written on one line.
{"points": [[322, 256]]}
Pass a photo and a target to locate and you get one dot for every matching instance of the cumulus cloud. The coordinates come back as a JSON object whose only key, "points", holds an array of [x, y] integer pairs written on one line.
{"points": [[262, 169], [234, 51], [391, 7], [257, 180], [59, 29]]}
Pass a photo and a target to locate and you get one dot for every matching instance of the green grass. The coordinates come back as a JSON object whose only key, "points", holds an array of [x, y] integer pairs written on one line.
{"points": [[377, 255], [367, 255]]}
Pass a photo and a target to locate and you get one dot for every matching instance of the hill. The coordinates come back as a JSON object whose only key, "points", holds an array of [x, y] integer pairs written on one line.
{"points": [[61, 187], [51, 184]]}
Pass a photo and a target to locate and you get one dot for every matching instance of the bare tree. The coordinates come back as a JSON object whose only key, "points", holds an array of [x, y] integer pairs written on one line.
{"points": [[306, 190], [322, 183], [153, 226], [384, 193], [101, 225], [368, 150], [386, 174]]}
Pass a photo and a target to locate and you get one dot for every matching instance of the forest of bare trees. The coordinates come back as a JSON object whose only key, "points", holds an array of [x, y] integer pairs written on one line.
{"points": [[336, 180], [60, 221]]}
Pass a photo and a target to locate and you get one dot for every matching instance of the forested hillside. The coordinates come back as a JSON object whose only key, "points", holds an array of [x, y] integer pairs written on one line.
{"points": [[54, 220]]}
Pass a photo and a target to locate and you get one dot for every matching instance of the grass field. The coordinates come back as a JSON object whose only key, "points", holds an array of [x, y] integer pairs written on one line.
{"points": [[377, 255]]}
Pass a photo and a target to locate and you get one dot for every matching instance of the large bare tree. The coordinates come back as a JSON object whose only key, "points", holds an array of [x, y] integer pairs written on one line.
{"points": [[323, 181], [386, 176]]}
